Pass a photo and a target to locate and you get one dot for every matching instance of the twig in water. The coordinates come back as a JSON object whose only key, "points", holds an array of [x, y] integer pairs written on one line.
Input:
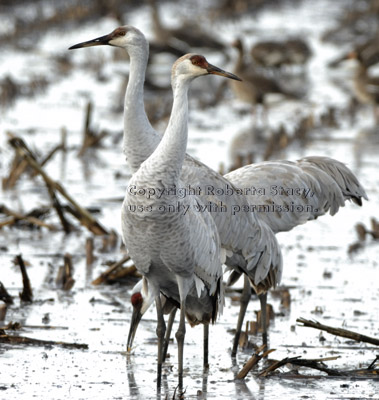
{"points": [[18, 167], [314, 364], [111, 270], [13, 339], [338, 331], [3, 311], [65, 272], [371, 366], [27, 293], [90, 258], [15, 326], [4, 295], [253, 360], [109, 242], [90, 139], [276, 365], [86, 218], [30, 219]]}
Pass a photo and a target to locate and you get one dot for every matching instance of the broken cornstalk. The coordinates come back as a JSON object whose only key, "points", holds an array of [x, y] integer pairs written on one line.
{"points": [[65, 272], [253, 360], [15, 339], [338, 331], [4, 295], [90, 139], [85, 218], [113, 272], [27, 293], [14, 216]]}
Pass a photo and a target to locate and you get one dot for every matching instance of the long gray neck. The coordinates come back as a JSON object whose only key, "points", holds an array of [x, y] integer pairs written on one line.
{"points": [[167, 160], [140, 139]]}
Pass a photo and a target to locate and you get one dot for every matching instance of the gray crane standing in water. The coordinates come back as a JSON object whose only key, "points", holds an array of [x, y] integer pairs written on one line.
{"points": [[178, 252], [249, 236]]}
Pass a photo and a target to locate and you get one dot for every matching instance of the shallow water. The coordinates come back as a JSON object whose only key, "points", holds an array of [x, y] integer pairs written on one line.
{"points": [[324, 281]]}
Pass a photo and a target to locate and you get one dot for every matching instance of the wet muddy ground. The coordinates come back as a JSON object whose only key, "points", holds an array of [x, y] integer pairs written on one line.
{"points": [[326, 282]]}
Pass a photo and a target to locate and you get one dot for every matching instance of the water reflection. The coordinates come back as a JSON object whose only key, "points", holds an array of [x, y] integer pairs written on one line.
{"points": [[242, 390], [133, 388]]}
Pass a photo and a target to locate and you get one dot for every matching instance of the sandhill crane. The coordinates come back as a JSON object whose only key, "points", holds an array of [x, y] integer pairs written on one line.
{"points": [[174, 246], [366, 87], [242, 234], [292, 193], [276, 53], [256, 86], [188, 35]]}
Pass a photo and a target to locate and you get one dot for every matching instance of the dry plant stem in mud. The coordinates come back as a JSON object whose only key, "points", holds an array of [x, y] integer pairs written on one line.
{"points": [[90, 258], [13, 339], [15, 326], [112, 270], [3, 311], [15, 216], [18, 167], [85, 218], [253, 360], [4, 295], [27, 293], [89, 137], [49, 156], [318, 364], [57, 205], [65, 272], [123, 272], [338, 331], [312, 363]]}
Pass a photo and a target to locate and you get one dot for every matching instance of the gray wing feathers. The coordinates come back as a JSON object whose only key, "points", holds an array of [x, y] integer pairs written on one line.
{"points": [[205, 242], [229, 226], [313, 186], [265, 260], [345, 179], [242, 233], [330, 181]]}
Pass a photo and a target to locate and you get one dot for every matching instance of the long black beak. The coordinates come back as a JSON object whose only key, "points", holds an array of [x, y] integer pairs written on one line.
{"points": [[135, 320], [100, 41], [218, 71]]}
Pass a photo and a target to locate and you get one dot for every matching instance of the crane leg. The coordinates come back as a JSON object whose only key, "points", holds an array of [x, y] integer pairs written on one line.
{"points": [[206, 345], [170, 322], [161, 328], [245, 297], [180, 334], [263, 300]]}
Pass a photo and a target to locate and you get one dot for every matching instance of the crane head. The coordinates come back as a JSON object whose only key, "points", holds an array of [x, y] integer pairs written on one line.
{"points": [[123, 36], [194, 65], [141, 300], [137, 302]]}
